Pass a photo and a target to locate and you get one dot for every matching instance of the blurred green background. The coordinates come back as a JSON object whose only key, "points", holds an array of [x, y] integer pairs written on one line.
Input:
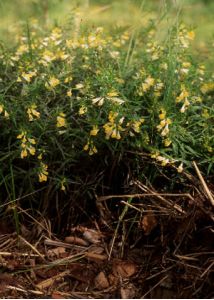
{"points": [[198, 14]]}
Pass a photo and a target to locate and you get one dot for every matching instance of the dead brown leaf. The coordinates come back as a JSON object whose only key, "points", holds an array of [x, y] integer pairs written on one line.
{"points": [[92, 236], [124, 269], [56, 252], [128, 292], [95, 257], [148, 223], [101, 281], [76, 240], [57, 295]]}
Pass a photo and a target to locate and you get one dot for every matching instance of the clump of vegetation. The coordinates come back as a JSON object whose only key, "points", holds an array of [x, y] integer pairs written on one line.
{"points": [[65, 97]]}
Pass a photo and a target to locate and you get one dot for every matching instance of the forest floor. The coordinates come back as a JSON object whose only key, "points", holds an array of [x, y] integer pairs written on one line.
{"points": [[165, 252]]}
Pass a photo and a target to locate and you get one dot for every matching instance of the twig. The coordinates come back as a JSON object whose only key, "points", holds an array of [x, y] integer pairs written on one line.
{"points": [[206, 189], [48, 282], [8, 254], [32, 247], [61, 244], [14, 288], [207, 269], [157, 284], [177, 207]]}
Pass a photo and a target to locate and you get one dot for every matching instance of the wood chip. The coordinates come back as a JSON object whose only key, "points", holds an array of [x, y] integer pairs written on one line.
{"points": [[101, 281], [124, 269]]}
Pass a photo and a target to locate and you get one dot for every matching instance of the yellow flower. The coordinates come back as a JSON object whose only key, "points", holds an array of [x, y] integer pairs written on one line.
{"points": [[67, 79], [167, 142], [99, 101], [191, 35], [31, 150], [39, 156], [79, 86], [165, 130], [93, 150], [162, 114], [6, 115], [69, 93], [48, 56], [61, 121], [1, 108], [28, 76], [180, 168], [33, 113], [82, 110], [205, 114], [43, 174], [94, 130], [32, 141], [112, 115], [90, 147], [116, 134], [21, 135], [112, 94], [53, 82], [207, 87], [63, 188], [23, 153], [136, 125]]}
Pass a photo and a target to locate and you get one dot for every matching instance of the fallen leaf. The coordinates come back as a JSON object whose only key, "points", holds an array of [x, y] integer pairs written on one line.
{"points": [[124, 269], [101, 281], [128, 292], [95, 257], [96, 249], [56, 252], [92, 236], [56, 295], [148, 223], [113, 280], [76, 240], [50, 281]]}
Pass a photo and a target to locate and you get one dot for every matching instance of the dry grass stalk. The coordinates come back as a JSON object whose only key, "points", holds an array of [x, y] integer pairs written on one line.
{"points": [[50, 281], [32, 247], [206, 189]]}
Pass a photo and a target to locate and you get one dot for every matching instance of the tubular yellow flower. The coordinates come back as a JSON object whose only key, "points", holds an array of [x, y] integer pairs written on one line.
{"points": [[1, 108], [180, 168], [94, 130], [112, 94], [52, 83], [69, 93], [167, 142], [28, 76], [61, 121], [82, 110], [33, 113], [90, 148], [23, 153], [191, 35], [43, 174]]}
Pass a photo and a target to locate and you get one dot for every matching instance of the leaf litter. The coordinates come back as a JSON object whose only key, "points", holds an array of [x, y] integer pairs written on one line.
{"points": [[158, 251]]}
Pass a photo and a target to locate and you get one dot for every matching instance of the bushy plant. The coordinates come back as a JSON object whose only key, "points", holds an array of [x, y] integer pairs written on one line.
{"points": [[68, 96]]}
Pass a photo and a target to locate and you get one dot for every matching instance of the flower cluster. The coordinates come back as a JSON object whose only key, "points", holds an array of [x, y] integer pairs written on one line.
{"points": [[113, 128], [33, 113], [27, 144]]}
